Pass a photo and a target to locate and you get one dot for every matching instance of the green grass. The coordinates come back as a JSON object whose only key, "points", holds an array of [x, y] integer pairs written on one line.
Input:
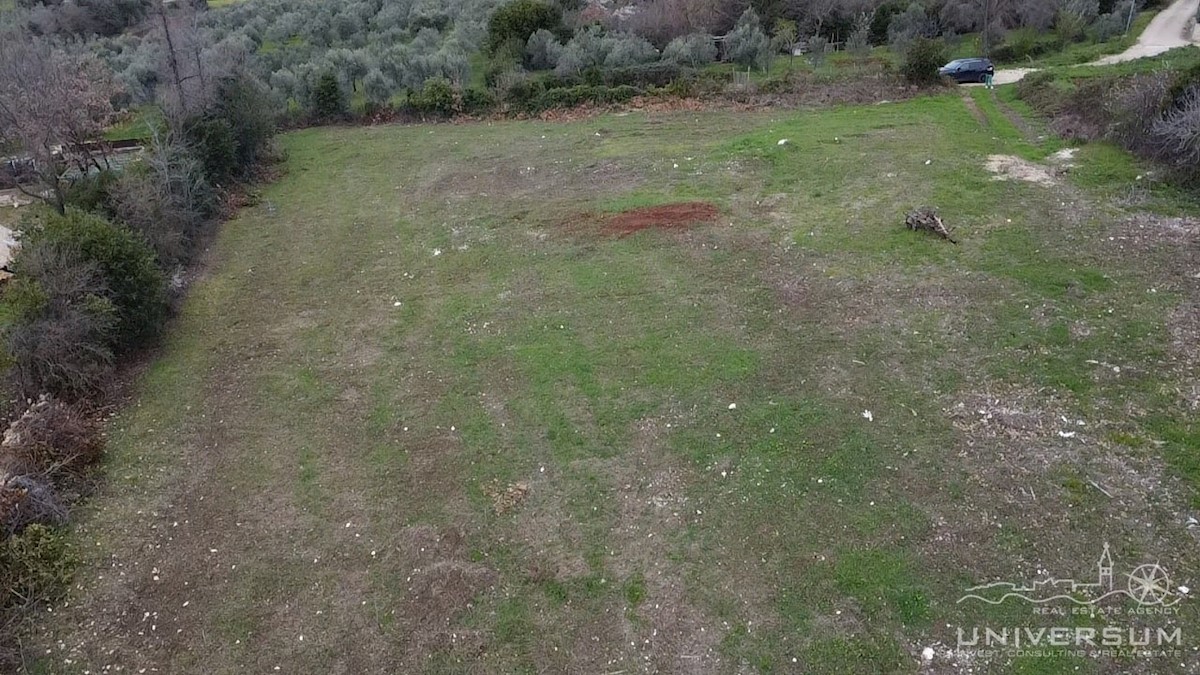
{"points": [[1178, 58], [757, 442], [1087, 51], [138, 126]]}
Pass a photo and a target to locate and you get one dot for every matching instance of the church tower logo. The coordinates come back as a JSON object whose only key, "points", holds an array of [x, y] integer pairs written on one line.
{"points": [[1147, 585]]}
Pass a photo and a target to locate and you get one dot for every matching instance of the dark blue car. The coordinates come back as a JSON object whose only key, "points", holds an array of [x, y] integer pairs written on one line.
{"points": [[968, 70]]}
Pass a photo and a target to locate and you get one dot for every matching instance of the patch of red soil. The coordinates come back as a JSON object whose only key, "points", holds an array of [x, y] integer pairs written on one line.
{"points": [[666, 216]]}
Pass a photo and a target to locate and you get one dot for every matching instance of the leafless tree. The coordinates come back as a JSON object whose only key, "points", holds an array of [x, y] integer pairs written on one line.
{"points": [[166, 197], [54, 106], [1177, 134], [660, 21], [186, 84], [1039, 14]]}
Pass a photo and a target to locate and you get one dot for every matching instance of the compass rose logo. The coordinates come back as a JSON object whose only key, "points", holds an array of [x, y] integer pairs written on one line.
{"points": [[1147, 585]]}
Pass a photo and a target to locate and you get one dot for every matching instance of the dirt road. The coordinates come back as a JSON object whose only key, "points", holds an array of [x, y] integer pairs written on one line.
{"points": [[1165, 32]]}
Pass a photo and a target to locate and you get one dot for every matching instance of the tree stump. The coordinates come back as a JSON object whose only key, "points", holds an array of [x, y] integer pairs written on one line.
{"points": [[927, 219]]}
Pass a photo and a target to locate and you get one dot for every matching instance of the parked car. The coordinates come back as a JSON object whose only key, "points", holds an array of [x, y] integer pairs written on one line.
{"points": [[968, 70]]}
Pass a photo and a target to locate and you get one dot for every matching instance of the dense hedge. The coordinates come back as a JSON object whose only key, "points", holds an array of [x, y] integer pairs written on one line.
{"points": [[134, 284]]}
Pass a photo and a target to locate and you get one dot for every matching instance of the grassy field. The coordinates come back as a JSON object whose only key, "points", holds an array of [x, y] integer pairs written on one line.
{"points": [[423, 412], [138, 125]]}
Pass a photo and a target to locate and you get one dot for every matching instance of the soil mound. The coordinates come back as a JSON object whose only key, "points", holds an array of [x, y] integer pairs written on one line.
{"points": [[665, 216]]}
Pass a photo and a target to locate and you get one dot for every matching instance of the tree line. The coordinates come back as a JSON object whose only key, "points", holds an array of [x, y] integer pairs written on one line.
{"points": [[381, 51]]}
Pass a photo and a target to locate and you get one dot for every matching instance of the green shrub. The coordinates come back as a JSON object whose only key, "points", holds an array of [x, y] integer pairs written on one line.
{"points": [[478, 101], [882, 19], [747, 44], [778, 83], [626, 51], [35, 567], [62, 326], [328, 102], [693, 50], [435, 98], [1073, 20], [505, 59], [215, 144], [93, 193], [1183, 80], [1107, 27], [563, 97], [619, 94], [922, 60], [909, 25], [681, 88], [542, 51], [1042, 90], [569, 97], [166, 198], [816, 50], [244, 104], [518, 20], [125, 263], [520, 92]]}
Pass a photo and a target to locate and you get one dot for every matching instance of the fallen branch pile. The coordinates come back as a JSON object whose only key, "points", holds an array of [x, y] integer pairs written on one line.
{"points": [[926, 218]]}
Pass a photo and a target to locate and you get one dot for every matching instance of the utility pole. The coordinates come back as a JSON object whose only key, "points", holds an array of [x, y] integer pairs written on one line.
{"points": [[1129, 21], [987, 27]]}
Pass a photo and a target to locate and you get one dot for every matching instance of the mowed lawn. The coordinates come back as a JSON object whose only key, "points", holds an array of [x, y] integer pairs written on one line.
{"points": [[424, 413]]}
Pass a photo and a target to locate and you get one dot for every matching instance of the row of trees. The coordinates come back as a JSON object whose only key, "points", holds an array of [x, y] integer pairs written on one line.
{"points": [[377, 49], [92, 276], [91, 272]]}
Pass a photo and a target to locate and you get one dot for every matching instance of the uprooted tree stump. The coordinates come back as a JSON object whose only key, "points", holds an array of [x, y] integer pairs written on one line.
{"points": [[927, 219]]}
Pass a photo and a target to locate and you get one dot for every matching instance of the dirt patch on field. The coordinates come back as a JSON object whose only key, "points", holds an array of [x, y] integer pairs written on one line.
{"points": [[1184, 327], [1015, 118], [1148, 229], [1169, 240], [665, 216], [973, 108], [672, 633], [1007, 167]]}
